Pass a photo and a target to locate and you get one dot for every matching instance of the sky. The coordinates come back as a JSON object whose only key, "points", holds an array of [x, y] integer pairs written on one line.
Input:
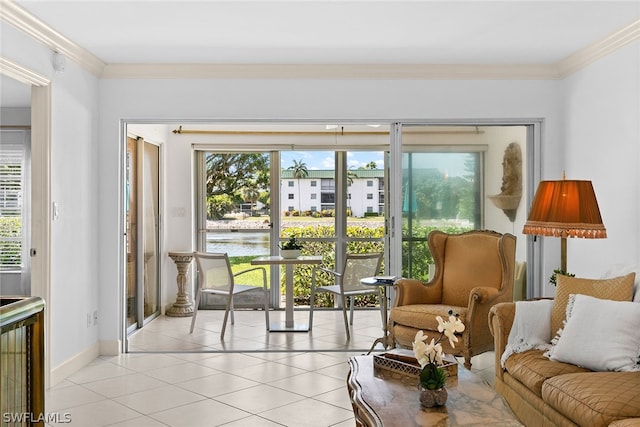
{"points": [[323, 160], [450, 163]]}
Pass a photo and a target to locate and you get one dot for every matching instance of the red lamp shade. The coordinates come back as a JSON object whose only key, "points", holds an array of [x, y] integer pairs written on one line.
{"points": [[566, 208]]}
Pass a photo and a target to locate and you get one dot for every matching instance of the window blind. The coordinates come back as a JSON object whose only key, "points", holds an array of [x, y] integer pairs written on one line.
{"points": [[12, 158]]}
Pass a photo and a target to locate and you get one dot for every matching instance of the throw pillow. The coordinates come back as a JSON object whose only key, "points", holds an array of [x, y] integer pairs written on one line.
{"points": [[616, 288], [601, 335], [621, 270]]}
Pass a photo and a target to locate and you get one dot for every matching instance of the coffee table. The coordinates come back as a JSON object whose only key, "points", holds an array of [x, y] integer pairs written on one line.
{"points": [[382, 398]]}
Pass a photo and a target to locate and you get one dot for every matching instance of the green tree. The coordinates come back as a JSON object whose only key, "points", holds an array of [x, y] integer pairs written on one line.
{"points": [[230, 174], [251, 194], [300, 170], [371, 165]]}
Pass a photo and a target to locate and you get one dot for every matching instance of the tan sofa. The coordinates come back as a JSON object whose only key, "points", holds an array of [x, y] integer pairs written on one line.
{"points": [[542, 392]]}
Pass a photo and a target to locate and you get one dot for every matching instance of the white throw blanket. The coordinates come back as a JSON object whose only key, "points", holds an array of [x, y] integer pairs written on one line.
{"points": [[531, 328]]}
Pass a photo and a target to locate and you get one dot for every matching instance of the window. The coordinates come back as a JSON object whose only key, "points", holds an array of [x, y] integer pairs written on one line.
{"points": [[369, 183], [369, 208], [12, 185], [314, 208], [369, 196], [314, 183], [290, 184], [290, 196], [313, 196], [291, 208], [328, 198], [328, 184]]}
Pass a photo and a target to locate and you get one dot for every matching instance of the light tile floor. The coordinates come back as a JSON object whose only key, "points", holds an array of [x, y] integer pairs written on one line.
{"points": [[253, 378]]}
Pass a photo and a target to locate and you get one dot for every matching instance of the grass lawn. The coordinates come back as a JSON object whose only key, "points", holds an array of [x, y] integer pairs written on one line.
{"points": [[253, 278]]}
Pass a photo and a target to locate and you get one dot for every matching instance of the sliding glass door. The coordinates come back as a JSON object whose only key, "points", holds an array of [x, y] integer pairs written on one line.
{"points": [[442, 188], [143, 232]]}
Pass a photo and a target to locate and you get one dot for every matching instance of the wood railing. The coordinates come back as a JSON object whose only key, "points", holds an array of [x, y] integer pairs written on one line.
{"points": [[21, 361]]}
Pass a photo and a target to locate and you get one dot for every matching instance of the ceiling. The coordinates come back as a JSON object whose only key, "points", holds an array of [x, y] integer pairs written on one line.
{"points": [[332, 32]]}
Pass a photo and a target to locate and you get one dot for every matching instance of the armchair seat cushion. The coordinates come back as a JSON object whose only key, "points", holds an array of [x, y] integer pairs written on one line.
{"points": [[423, 316], [532, 369]]}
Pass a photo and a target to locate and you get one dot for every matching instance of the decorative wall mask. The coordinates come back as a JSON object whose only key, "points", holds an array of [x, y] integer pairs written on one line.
{"points": [[511, 191]]}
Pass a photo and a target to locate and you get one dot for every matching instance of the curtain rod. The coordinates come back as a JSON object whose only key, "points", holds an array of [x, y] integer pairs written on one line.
{"points": [[181, 131]]}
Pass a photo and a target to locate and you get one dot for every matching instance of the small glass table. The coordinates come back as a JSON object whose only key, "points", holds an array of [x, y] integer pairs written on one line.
{"points": [[384, 282]]}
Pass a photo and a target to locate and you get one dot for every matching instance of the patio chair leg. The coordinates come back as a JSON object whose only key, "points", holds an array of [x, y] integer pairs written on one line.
{"points": [[233, 320], [344, 315], [195, 312], [266, 306], [351, 301], [226, 315]]}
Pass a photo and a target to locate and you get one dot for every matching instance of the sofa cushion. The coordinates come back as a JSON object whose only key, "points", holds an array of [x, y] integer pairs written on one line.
{"points": [[601, 335], [616, 288], [532, 369], [594, 398]]}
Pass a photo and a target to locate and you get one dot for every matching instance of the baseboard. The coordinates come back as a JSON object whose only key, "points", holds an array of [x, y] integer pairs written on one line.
{"points": [[110, 348], [75, 363], [80, 360]]}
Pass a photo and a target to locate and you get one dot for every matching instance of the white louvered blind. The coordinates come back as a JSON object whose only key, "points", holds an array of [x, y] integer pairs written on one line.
{"points": [[12, 158]]}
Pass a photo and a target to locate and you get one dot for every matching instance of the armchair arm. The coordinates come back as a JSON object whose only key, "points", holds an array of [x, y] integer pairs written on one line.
{"points": [[481, 299], [264, 274], [248, 270], [500, 322], [412, 291], [326, 270]]}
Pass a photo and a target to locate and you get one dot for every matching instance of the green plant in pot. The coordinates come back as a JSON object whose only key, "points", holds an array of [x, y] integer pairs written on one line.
{"points": [[433, 377], [554, 276], [290, 248]]}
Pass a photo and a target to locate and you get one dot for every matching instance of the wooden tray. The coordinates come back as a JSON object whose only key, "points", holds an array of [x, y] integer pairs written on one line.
{"points": [[402, 361]]}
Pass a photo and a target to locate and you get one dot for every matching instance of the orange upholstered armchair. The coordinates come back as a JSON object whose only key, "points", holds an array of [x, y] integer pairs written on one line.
{"points": [[474, 271]]}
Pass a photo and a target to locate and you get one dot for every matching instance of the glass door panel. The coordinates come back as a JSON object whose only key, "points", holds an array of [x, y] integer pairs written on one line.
{"points": [[142, 187], [441, 189], [236, 215], [131, 188], [151, 229]]}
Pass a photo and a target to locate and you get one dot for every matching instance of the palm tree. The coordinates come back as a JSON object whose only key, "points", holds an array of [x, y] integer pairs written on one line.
{"points": [[351, 176], [252, 195], [300, 170]]}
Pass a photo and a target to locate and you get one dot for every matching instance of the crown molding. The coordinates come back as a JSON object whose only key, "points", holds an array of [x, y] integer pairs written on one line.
{"points": [[332, 71], [35, 28], [21, 74], [592, 53], [40, 31]]}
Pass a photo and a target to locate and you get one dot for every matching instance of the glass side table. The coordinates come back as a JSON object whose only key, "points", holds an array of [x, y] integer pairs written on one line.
{"points": [[383, 282]]}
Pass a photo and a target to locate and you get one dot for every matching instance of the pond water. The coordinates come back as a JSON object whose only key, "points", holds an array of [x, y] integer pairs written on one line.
{"points": [[240, 243]]}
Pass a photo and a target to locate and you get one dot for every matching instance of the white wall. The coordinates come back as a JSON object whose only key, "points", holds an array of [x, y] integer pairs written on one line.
{"points": [[601, 105], [74, 165]]}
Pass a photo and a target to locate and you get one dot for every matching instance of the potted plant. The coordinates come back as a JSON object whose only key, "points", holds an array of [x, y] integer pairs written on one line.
{"points": [[429, 355], [291, 248]]}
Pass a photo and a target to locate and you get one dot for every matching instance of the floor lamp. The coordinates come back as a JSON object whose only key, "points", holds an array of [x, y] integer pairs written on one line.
{"points": [[565, 208]]}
